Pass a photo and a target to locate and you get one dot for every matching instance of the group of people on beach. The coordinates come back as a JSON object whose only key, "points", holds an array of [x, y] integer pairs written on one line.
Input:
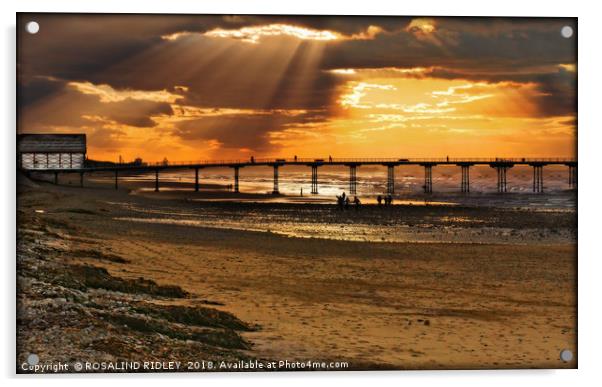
{"points": [[387, 199], [344, 202]]}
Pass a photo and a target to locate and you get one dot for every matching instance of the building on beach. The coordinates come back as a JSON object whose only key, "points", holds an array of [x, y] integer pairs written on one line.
{"points": [[51, 151]]}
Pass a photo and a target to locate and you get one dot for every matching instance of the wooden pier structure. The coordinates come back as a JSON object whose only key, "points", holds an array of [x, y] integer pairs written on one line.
{"points": [[501, 165]]}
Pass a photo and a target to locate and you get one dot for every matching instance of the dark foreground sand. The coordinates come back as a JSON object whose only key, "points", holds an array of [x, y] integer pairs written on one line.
{"points": [[192, 292]]}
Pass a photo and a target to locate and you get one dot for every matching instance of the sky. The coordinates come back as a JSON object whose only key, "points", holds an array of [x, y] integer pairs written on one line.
{"points": [[197, 87]]}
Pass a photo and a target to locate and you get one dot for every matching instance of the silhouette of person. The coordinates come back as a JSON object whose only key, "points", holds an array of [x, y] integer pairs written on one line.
{"points": [[357, 202], [347, 202], [252, 160], [295, 158], [379, 199], [390, 199], [301, 191], [330, 159], [448, 159]]}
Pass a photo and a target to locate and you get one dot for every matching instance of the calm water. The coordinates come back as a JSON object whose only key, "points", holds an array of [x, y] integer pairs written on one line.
{"points": [[371, 181]]}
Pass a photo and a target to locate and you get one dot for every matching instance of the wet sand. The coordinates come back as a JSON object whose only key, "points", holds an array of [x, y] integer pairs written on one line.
{"points": [[374, 303]]}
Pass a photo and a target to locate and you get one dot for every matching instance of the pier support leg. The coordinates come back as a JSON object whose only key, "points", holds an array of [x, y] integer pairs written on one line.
{"points": [[572, 177], [275, 191], [538, 178], [81, 179], [428, 179], [502, 185], [314, 179], [196, 180], [236, 169], [353, 179], [156, 180], [116, 178], [56, 178], [390, 179], [465, 186]]}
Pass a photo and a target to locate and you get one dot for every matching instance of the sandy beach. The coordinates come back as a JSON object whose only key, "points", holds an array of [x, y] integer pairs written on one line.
{"points": [[406, 287]]}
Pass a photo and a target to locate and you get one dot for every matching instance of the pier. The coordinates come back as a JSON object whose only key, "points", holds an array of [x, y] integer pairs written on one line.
{"points": [[501, 165]]}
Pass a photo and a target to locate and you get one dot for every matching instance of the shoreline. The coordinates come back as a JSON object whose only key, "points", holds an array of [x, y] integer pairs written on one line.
{"points": [[563, 199]]}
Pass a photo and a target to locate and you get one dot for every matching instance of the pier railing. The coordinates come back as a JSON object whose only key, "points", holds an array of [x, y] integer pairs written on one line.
{"points": [[372, 160]]}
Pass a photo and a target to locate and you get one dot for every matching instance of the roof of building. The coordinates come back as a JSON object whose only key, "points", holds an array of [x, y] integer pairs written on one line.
{"points": [[51, 143]]}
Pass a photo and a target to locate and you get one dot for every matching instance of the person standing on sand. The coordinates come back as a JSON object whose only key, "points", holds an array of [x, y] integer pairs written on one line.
{"points": [[340, 202], [356, 202], [390, 199], [347, 202], [379, 199]]}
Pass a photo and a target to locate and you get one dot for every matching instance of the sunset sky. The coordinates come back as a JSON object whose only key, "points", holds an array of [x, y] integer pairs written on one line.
{"points": [[191, 87]]}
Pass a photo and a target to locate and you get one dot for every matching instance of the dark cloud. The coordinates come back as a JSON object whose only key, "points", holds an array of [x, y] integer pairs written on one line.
{"points": [[243, 130], [103, 48], [468, 44], [69, 107], [559, 93], [37, 89]]}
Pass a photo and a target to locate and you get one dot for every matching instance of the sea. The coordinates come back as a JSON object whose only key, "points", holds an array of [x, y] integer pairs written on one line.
{"points": [[294, 184]]}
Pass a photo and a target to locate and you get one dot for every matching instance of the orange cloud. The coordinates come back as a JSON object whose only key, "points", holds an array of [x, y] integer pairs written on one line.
{"points": [[108, 94], [253, 34]]}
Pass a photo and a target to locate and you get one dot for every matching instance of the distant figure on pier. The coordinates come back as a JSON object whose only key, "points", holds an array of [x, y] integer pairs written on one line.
{"points": [[252, 160], [356, 202], [301, 188], [296, 161], [330, 159], [448, 159], [379, 199]]}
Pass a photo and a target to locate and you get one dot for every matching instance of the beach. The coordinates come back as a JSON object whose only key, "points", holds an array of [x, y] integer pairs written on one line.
{"points": [[417, 285]]}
